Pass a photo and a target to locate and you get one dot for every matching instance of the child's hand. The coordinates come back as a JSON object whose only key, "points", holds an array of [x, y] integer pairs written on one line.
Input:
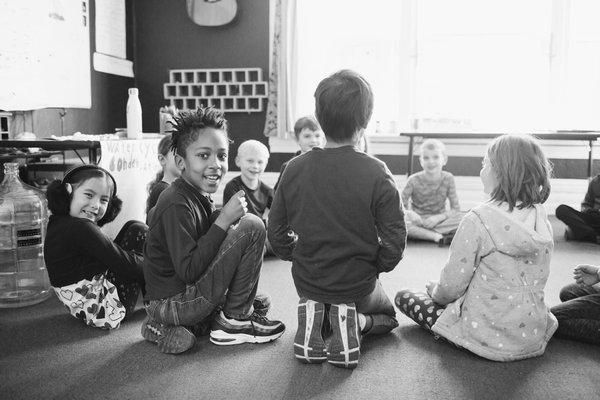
{"points": [[414, 218], [235, 208], [432, 221], [586, 274]]}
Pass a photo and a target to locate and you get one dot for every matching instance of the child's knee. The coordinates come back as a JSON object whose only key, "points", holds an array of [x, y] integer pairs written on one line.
{"points": [[252, 223]]}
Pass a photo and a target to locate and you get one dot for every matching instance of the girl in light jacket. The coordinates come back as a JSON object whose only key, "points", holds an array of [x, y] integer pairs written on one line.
{"points": [[490, 296]]}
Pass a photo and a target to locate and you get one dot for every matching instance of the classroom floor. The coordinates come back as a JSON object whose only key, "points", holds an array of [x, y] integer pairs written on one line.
{"points": [[45, 353]]}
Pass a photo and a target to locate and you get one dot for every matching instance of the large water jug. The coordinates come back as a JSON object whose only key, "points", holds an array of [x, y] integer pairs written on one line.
{"points": [[23, 219]]}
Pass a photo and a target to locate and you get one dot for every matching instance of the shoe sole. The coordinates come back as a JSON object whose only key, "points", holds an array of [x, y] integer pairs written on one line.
{"points": [[150, 333], [177, 340], [344, 348], [309, 346], [222, 338]]}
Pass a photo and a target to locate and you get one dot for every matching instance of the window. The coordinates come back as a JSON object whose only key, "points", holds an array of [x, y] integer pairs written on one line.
{"points": [[465, 65]]}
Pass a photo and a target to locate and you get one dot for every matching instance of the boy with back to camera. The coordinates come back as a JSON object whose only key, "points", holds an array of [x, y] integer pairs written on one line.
{"points": [[425, 195], [198, 264], [337, 216], [308, 135]]}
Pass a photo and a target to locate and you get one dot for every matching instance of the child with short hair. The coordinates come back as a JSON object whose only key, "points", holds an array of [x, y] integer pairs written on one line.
{"points": [[200, 264], [490, 296], [252, 159], [85, 265], [168, 173], [337, 216], [583, 225], [308, 135], [579, 313], [425, 195]]}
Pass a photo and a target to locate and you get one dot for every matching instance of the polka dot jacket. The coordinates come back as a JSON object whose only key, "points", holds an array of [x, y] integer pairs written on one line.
{"points": [[493, 284]]}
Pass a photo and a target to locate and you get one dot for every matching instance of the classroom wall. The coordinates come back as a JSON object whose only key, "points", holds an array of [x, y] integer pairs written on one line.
{"points": [[109, 98], [167, 39]]}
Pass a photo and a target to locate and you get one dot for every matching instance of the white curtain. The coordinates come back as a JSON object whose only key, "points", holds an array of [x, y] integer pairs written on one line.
{"points": [[282, 77]]}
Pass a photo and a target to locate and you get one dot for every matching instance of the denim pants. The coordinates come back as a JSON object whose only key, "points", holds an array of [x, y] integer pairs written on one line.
{"points": [[579, 313], [376, 303], [230, 281]]}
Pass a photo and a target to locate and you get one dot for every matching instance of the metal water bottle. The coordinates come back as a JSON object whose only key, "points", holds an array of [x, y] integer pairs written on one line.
{"points": [[23, 220], [134, 115]]}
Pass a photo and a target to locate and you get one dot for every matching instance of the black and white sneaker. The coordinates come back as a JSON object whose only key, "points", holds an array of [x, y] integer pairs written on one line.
{"points": [[170, 339], [254, 329]]}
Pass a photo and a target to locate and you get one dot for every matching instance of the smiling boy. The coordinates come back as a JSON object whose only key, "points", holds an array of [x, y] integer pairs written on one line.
{"points": [[252, 159], [197, 269], [425, 194]]}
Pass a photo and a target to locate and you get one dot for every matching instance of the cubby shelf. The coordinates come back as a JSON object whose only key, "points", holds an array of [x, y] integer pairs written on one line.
{"points": [[230, 90]]}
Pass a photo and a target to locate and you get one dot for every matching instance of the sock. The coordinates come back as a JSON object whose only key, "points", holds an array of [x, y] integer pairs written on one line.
{"points": [[362, 321], [365, 322]]}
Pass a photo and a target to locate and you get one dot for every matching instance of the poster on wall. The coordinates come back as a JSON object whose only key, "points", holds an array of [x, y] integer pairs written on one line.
{"points": [[111, 39], [133, 163], [44, 54]]}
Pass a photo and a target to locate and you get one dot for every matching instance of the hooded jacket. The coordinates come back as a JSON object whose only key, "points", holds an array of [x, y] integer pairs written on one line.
{"points": [[493, 284]]}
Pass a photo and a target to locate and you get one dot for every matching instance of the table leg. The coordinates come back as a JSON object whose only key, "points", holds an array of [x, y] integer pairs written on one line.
{"points": [[410, 156], [590, 160]]}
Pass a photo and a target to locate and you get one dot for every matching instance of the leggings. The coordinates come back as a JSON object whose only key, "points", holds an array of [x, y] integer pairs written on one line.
{"points": [[132, 238], [419, 307]]}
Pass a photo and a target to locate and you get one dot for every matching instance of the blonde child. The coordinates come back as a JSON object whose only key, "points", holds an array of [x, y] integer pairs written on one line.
{"points": [[490, 296], [579, 313], [337, 217], [81, 259], [308, 135], [201, 265], [425, 195], [251, 159], [168, 173]]}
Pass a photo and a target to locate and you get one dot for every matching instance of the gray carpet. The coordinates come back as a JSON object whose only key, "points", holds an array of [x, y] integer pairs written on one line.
{"points": [[45, 353]]}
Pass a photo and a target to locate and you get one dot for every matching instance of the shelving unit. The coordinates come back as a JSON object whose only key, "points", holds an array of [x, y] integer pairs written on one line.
{"points": [[230, 90]]}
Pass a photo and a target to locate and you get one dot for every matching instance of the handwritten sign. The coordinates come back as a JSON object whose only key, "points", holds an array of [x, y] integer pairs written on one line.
{"points": [[133, 163]]}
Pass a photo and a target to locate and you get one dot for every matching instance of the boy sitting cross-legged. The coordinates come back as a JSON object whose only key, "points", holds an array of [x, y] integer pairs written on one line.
{"points": [[337, 216], [199, 264]]}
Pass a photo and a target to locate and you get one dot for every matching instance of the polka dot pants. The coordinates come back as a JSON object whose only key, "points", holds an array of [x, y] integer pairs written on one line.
{"points": [[419, 307], [132, 238]]}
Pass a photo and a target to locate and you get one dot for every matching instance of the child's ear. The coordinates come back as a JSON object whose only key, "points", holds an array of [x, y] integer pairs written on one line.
{"points": [[237, 161], [179, 161], [69, 188], [445, 160], [162, 160]]}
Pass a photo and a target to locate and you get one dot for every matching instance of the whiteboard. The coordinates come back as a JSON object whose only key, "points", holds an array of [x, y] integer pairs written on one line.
{"points": [[44, 54]]}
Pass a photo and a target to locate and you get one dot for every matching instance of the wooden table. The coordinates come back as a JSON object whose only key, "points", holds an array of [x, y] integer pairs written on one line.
{"points": [[92, 146], [588, 136]]}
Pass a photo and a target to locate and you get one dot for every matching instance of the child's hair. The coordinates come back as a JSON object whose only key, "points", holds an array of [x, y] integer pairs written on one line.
{"points": [[188, 123], [164, 147], [59, 199], [522, 171], [343, 104], [433, 144], [307, 122], [255, 145]]}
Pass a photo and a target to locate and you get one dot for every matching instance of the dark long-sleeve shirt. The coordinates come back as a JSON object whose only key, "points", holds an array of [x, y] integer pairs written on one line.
{"points": [[76, 249], [258, 199], [345, 208], [181, 240], [591, 200]]}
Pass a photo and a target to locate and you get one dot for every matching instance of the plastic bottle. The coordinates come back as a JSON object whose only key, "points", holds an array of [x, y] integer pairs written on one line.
{"points": [[23, 219], [134, 115]]}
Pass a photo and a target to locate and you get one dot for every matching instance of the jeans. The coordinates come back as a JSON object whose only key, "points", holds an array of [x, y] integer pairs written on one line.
{"points": [[579, 313], [376, 303], [229, 282]]}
